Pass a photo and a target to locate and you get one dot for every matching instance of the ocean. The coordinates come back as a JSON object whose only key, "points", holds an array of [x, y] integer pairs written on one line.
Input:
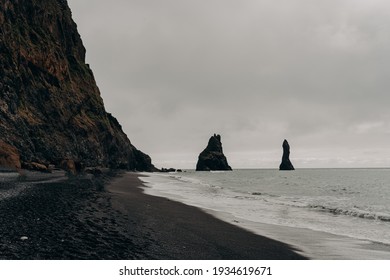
{"points": [[353, 204]]}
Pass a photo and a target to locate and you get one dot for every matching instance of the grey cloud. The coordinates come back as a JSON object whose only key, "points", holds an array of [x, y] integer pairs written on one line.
{"points": [[255, 71]]}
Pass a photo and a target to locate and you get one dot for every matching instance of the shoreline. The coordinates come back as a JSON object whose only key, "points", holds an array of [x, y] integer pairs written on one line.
{"points": [[173, 230], [316, 245], [110, 217], [312, 244]]}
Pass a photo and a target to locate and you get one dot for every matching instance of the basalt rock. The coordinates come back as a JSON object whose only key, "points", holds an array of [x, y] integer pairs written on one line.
{"points": [[69, 166], [167, 170], [212, 158], [9, 156], [286, 163], [35, 166], [50, 106]]}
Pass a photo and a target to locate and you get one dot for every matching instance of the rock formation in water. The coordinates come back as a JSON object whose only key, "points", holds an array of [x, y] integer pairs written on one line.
{"points": [[212, 158], [51, 111], [286, 163]]}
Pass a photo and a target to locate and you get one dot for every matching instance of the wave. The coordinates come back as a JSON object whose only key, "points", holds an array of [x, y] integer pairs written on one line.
{"points": [[194, 181], [301, 202], [353, 213], [264, 194]]}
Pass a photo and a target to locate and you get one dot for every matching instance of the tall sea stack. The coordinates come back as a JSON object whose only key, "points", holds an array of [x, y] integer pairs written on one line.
{"points": [[51, 110], [212, 158], [286, 163]]}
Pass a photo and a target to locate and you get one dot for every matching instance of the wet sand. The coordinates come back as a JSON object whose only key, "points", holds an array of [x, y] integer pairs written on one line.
{"points": [[109, 218], [171, 230]]}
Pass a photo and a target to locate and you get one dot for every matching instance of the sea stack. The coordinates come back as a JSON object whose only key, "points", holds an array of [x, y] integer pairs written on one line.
{"points": [[51, 110], [286, 163], [212, 158]]}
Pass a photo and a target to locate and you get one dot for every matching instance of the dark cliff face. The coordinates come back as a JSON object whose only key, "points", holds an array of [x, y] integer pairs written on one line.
{"points": [[50, 105], [212, 158], [286, 163]]}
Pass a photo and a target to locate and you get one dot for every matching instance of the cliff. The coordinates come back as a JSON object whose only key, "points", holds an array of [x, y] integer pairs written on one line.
{"points": [[50, 106], [212, 158], [286, 163]]}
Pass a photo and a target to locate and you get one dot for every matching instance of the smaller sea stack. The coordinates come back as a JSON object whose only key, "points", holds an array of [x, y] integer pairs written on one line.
{"points": [[212, 158], [286, 163]]}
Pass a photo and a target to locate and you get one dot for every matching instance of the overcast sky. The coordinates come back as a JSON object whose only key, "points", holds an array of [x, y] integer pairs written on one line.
{"points": [[316, 73]]}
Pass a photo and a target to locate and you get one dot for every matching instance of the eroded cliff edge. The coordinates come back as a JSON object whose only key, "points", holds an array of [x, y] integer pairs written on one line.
{"points": [[50, 106]]}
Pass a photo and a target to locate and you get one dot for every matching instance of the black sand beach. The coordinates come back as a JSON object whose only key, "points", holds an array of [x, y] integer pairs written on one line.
{"points": [[111, 218]]}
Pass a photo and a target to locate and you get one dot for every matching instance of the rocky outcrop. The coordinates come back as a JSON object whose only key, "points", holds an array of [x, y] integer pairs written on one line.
{"points": [[9, 156], [212, 158], [167, 170], [34, 166], [50, 106], [70, 166], [286, 163]]}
